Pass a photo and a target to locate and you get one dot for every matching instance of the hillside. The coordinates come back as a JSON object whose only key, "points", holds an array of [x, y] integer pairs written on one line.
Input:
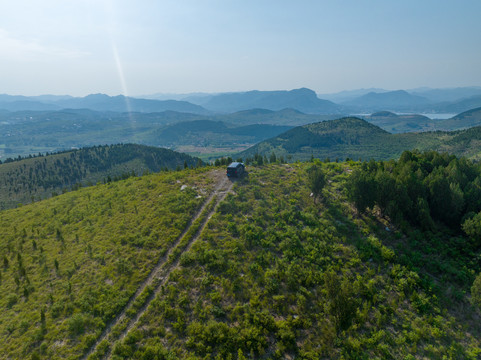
{"points": [[209, 136], [395, 123], [355, 138], [71, 263], [34, 178], [447, 94], [269, 272], [284, 117], [464, 120], [460, 105]]}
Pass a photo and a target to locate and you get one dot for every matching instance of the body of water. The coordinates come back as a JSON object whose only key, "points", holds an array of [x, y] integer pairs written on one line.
{"points": [[433, 116], [441, 116]]}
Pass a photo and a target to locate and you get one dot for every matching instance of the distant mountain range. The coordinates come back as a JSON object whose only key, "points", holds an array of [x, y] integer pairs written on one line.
{"points": [[302, 100], [98, 102], [433, 95]]}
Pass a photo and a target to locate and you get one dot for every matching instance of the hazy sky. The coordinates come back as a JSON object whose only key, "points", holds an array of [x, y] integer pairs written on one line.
{"points": [[141, 47]]}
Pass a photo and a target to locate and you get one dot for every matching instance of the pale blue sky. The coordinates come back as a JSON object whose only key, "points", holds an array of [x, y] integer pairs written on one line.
{"points": [[141, 47]]}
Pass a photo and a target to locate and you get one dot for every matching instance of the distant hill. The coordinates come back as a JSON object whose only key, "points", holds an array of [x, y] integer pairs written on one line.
{"points": [[395, 123], [404, 123], [33, 178], [355, 138], [460, 105], [289, 117], [214, 133], [449, 94], [464, 120], [19, 105], [399, 100], [304, 100], [347, 95]]}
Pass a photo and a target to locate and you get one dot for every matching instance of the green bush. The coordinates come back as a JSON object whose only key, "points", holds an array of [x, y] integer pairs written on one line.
{"points": [[476, 291]]}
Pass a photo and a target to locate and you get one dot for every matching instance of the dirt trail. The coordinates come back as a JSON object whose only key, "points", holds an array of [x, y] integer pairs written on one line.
{"points": [[161, 271]]}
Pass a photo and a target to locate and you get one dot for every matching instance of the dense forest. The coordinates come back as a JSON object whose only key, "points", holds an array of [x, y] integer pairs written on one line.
{"points": [[24, 180], [435, 196], [300, 260]]}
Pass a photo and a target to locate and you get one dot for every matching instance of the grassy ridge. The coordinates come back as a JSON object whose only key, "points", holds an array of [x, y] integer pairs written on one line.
{"points": [[278, 275], [70, 263], [274, 274]]}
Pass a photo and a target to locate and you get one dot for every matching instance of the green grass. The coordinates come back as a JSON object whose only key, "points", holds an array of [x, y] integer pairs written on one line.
{"points": [[277, 275], [80, 256], [274, 274]]}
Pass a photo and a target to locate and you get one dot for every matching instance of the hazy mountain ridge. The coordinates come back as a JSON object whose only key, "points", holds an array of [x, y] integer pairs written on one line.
{"points": [[97, 102], [396, 100], [303, 100]]}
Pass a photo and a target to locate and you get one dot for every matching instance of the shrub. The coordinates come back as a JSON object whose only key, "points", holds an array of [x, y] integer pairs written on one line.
{"points": [[77, 324], [476, 291], [12, 299]]}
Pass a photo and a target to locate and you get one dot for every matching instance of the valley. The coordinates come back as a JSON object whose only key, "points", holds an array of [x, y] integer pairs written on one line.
{"points": [[245, 120]]}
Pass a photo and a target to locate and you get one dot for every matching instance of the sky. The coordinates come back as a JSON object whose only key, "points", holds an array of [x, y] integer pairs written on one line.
{"points": [[134, 47]]}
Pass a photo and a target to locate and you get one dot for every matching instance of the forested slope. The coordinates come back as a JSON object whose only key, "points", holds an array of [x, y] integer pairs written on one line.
{"points": [[357, 139], [33, 178]]}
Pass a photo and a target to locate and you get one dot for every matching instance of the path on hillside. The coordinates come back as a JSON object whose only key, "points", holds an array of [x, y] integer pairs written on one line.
{"points": [[161, 271]]}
